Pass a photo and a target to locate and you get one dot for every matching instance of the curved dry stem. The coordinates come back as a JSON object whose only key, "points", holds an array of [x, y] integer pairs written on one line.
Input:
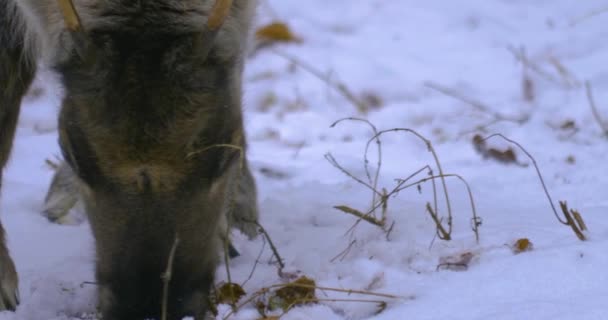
{"points": [[540, 177], [330, 158], [429, 146], [596, 114], [475, 226], [374, 181]]}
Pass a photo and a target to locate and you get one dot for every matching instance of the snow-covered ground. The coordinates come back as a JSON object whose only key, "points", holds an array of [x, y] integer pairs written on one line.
{"points": [[393, 52]]}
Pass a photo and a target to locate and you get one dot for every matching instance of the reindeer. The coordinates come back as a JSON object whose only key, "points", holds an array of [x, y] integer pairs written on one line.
{"points": [[151, 130]]}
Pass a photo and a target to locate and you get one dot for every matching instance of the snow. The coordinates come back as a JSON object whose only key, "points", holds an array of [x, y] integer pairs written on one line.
{"points": [[392, 50]]}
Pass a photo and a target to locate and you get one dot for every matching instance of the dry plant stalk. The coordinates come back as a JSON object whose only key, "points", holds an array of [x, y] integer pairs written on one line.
{"points": [[275, 252], [166, 277], [268, 289], [577, 224], [588, 15], [596, 114], [566, 79], [574, 220], [380, 198], [361, 106], [475, 220], [480, 106]]}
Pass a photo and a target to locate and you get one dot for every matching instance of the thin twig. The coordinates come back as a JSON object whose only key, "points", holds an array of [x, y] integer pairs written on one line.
{"points": [[166, 277], [603, 125], [474, 103], [441, 232], [572, 222], [476, 220], [344, 252], [373, 181], [347, 291], [338, 86], [361, 215], [330, 158], [520, 55], [542, 181], [588, 15], [270, 243], [431, 149], [257, 261]]}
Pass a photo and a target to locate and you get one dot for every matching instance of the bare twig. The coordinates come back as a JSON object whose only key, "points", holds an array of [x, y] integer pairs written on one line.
{"points": [[330, 158], [338, 86], [520, 55], [431, 149], [575, 223], [474, 103], [272, 246], [441, 232], [588, 15], [600, 121], [265, 290], [344, 252], [373, 181], [540, 177], [166, 277], [257, 261], [476, 221]]}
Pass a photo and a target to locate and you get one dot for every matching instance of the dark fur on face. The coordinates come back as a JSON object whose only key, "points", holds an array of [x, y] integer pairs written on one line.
{"points": [[144, 125]]}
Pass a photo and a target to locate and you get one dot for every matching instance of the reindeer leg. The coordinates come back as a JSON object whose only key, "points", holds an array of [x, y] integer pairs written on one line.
{"points": [[16, 75]]}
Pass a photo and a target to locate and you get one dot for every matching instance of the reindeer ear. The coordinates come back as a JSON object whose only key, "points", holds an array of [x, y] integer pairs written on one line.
{"points": [[217, 16], [83, 45]]}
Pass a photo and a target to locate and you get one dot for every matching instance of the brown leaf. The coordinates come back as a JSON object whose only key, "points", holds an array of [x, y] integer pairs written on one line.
{"points": [[301, 291], [522, 245], [506, 156], [458, 262], [229, 293], [276, 32]]}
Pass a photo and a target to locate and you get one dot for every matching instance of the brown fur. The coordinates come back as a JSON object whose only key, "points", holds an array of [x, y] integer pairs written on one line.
{"points": [[137, 126]]}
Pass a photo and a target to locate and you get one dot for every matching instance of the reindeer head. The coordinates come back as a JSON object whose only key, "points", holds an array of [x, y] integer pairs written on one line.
{"points": [[148, 106]]}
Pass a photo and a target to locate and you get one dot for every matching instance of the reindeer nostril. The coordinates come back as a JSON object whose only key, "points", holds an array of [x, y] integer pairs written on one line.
{"points": [[143, 180]]}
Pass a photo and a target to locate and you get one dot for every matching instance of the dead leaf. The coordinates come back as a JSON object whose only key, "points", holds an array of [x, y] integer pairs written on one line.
{"points": [[229, 293], [522, 245], [301, 291], [458, 262], [276, 32], [506, 156]]}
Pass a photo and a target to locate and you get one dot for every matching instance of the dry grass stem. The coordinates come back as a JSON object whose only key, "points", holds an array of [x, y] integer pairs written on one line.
{"points": [[275, 252], [588, 15], [431, 149], [482, 107], [568, 82], [361, 107], [257, 261], [372, 180], [576, 223], [268, 289], [596, 114]]}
